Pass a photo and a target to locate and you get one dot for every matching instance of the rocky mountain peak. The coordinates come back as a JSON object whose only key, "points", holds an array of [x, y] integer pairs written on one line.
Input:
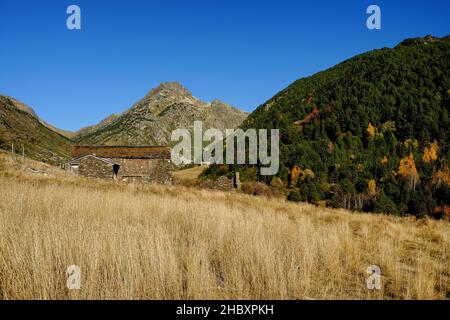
{"points": [[170, 88], [216, 102], [153, 118]]}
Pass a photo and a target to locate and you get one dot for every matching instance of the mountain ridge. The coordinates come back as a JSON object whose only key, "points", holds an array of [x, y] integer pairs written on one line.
{"points": [[21, 127], [26, 108], [152, 119]]}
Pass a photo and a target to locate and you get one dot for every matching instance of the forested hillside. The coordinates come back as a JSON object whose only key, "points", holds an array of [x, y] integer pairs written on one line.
{"points": [[371, 133]]}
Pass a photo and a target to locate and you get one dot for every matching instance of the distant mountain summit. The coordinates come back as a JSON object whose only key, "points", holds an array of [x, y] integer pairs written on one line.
{"points": [[151, 121]]}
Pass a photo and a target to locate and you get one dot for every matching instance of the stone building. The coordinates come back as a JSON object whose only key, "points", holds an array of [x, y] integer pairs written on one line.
{"points": [[122, 163]]}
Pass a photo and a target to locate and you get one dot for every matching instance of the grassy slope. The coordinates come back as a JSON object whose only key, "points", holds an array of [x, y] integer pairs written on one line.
{"points": [[152, 242], [24, 130], [190, 174]]}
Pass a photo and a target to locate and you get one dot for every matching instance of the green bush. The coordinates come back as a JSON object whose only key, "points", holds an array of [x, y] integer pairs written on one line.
{"points": [[295, 195], [382, 204]]}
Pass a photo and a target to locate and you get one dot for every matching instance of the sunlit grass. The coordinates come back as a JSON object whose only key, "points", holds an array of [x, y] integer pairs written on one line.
{"points": [[155, 242]]}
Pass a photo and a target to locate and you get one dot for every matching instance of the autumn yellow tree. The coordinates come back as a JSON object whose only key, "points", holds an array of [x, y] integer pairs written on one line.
{"points": [[372, 187], [295, 173], [388, 126], [371, 130], [430, 154], [308, 173], [407, 169], [411, 143], [442, 176]]}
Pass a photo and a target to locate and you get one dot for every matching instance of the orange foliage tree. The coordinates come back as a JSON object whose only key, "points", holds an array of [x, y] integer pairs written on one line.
{"points": [[372, 187], [407, 169], [430, 154], [371, 130], [442, 176], [295, 173]]}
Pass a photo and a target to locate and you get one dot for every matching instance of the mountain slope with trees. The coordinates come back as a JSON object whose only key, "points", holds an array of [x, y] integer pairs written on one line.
{"points": [[371, 133]]}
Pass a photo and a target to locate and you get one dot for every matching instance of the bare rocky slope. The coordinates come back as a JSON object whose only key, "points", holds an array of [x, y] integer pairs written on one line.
{"points": [[152, 120]]}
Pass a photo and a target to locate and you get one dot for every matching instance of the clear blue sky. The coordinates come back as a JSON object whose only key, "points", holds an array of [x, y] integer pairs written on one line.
{"points": [[240, 51]]}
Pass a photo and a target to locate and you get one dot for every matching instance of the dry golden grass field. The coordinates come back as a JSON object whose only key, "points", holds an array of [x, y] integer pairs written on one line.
{"points": [[189, 174], [155, 242]]}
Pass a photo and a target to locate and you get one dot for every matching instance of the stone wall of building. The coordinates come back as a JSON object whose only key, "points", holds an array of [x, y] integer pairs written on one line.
{"points": [[95, 168], [160, 171], [144, 170], [222, 183], [126, 170]]}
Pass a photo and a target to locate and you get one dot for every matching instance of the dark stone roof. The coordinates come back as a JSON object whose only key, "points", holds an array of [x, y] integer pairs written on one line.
{"points": [[127, 152]]}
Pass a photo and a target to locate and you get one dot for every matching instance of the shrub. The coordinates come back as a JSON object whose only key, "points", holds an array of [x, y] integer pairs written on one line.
{"points": [[295, 195], [257, 189], [215, 171], [248, 173], [381, 204], [277, 183], [311, 190], [420, 205]]}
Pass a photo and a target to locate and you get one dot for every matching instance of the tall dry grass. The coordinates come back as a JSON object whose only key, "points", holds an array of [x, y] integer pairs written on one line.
{"points": [[153, 242]]}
